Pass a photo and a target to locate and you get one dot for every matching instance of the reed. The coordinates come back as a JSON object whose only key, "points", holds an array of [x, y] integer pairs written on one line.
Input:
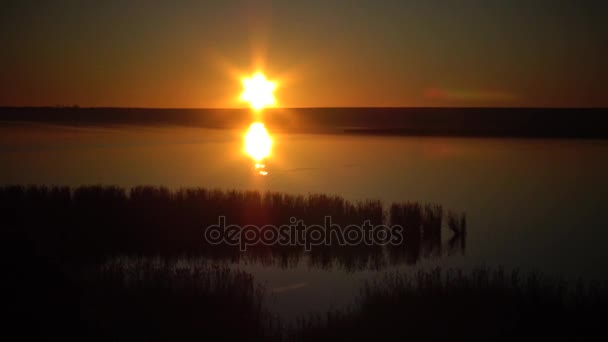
{"points": [[172, 299], [457, 223], [483, 304], [90, 222]]}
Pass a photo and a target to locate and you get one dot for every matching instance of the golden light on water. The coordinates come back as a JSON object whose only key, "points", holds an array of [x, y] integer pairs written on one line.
{"points": [[258, 91], [258, 142], [260, 168]]}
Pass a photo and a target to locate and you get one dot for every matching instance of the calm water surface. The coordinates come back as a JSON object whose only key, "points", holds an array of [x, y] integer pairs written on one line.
{"points": [[532, 204]]}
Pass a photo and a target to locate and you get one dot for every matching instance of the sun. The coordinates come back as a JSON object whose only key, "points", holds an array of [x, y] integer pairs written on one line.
{"points": [[258, 91], [257, 142]]}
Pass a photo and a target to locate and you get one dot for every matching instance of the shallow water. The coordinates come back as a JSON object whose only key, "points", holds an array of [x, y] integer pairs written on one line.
{"points": [[531, 204]]}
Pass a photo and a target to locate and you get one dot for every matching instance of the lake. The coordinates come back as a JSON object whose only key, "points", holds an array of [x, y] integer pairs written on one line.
{"points": [[532, 204]]}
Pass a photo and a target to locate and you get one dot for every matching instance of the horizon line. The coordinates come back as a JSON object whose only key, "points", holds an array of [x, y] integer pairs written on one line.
{"points": [[298, 108]]}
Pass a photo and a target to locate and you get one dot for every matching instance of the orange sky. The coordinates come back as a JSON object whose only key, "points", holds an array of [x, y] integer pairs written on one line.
{"points": [[324, 54]]}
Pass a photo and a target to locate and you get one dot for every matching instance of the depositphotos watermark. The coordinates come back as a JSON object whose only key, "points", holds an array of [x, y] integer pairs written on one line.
{"points": [[299, 234]]}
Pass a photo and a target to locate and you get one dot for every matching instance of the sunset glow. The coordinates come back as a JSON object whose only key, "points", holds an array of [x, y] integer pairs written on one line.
{"points": [[258, 91], [257, 142]]}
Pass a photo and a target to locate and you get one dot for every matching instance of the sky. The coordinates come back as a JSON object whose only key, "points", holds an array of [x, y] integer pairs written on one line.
{"points": [[351, 53]]}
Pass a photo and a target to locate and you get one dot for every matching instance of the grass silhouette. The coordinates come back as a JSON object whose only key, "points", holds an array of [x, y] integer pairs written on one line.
{"points": [[483, 304], [106, 263], [160, 299], [90, 222]]}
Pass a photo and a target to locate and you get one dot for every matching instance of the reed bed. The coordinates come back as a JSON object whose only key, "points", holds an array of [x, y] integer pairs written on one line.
{"points": [[160, 298], [483, 304], [172, 299], [95, 221]]}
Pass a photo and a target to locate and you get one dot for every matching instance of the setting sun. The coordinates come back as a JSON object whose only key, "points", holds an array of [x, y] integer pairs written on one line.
{"points": [[257, 141], [258, 91]]}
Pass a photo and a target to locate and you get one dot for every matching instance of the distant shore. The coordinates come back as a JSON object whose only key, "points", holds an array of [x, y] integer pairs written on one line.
{"points": [[586, 123]]}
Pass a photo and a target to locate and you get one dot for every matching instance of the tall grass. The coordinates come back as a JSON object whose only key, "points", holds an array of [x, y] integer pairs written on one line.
{"points": [[482, 304], [134, 299], [157, 299], [90, 222], [457, 223]]}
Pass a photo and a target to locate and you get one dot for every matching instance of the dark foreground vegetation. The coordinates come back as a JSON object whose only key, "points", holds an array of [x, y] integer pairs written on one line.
{"points": [[154, 299], [484, 122], [164, 299], [91, 222], [56, 242], [146, 299], [482, 305], [103, 263]]}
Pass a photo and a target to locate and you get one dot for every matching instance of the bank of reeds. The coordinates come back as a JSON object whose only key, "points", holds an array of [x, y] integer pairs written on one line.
{"points": [[483, 304], [134, 299], [158, 299], [94, 221]]}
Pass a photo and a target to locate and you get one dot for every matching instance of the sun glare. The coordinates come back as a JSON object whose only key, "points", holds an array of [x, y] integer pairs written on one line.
{"points": [[258, 142], [258, 91]]}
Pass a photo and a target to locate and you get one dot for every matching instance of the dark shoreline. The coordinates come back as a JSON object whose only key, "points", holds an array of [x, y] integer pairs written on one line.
{"points": [[513, 134], [585, 123]]}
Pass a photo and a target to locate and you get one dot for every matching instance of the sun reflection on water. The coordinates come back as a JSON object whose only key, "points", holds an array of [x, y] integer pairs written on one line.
{"points": [[260, 168], [258, 145]]}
